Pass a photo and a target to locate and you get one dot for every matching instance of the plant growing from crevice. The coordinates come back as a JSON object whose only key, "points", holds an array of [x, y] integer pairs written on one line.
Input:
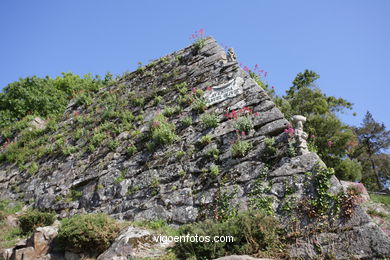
{"points": [[198, 38], [209, 120], [240, 148], [162, 132]]}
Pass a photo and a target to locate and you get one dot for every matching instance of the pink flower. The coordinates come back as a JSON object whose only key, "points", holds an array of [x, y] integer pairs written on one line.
{"points": [[257, 114], [273, 87], [193, 90], [243, 133], [312, 136], [209, 88], [289, 130], [329, 143]]}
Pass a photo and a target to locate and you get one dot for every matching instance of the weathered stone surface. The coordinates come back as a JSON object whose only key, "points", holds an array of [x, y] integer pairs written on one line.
{"points": [[240, 257], [133, 243], [174, 182]]}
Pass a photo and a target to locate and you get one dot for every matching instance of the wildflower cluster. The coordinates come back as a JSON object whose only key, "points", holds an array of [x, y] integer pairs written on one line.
{"points": [[243, 119], [198, 38], [290, 131]]}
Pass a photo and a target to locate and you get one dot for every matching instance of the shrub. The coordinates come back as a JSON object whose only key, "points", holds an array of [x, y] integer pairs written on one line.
{"points": [[92, 233], [253, 232], [349, 170], [162, 132], [30, 220], [209, 120], [240, 148]]}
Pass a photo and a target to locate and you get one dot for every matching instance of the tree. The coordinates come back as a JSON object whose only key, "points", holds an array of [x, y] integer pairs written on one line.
{"points": [[332, 137], [373, 139]]}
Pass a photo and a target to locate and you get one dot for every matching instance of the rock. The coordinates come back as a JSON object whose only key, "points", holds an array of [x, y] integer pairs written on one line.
{"points": [[240, 257], [26, 253], [38, 123], [133, 243], [72, 256], [5, 254], [41, 239]]}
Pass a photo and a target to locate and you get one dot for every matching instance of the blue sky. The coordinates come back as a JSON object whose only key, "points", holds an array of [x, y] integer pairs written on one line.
{"points": [[346, 42]]}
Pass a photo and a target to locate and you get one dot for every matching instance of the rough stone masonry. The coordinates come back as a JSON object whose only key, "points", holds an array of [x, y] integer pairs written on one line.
{"points": [[173, 182]]}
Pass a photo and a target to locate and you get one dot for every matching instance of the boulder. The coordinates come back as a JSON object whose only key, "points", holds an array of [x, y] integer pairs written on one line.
{"points": [[132, 243]]}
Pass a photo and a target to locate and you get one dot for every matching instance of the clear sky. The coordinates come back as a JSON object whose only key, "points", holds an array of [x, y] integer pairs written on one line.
{"points": [[347, 42]]}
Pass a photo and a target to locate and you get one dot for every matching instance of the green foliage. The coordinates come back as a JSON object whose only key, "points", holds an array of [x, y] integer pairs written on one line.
{"points": [[182, 88], [30, 220], [350, 170], [243, 124], [199, 105], [91, 233], [73, 195], [327, 134], [253, 233], [45, 97], [214, 170], [98, 138], [213, 153], [324, 202], [157, 99], [158, 226], [205, 140], [131, 149], [187, 121], [137, 101], [10, 207], [240, 148], [113, 144], [374, 139], [270, 149], [180, 154], [383, 199], [33, 168], [163, 132], [209, 120], [169, 111]]}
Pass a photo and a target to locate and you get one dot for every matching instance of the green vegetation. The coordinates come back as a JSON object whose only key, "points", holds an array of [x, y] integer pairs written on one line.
{"points": [[383, 199], [162, 132], [209, 120], [131, 149], [213, 153], [205, 140], [240, 148], [187, 121], [214, 170], [30, 220], [159, 226], [45, 97], [243, 124], [199, 105], [253, 232], [91, 233]]}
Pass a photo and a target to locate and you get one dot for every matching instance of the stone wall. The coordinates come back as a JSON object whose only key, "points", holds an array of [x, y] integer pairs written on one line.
{"points": [[179, 182]]}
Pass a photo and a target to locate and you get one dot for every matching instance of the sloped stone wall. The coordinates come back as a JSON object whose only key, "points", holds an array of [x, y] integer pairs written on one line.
{"points": [[175, 182]]}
